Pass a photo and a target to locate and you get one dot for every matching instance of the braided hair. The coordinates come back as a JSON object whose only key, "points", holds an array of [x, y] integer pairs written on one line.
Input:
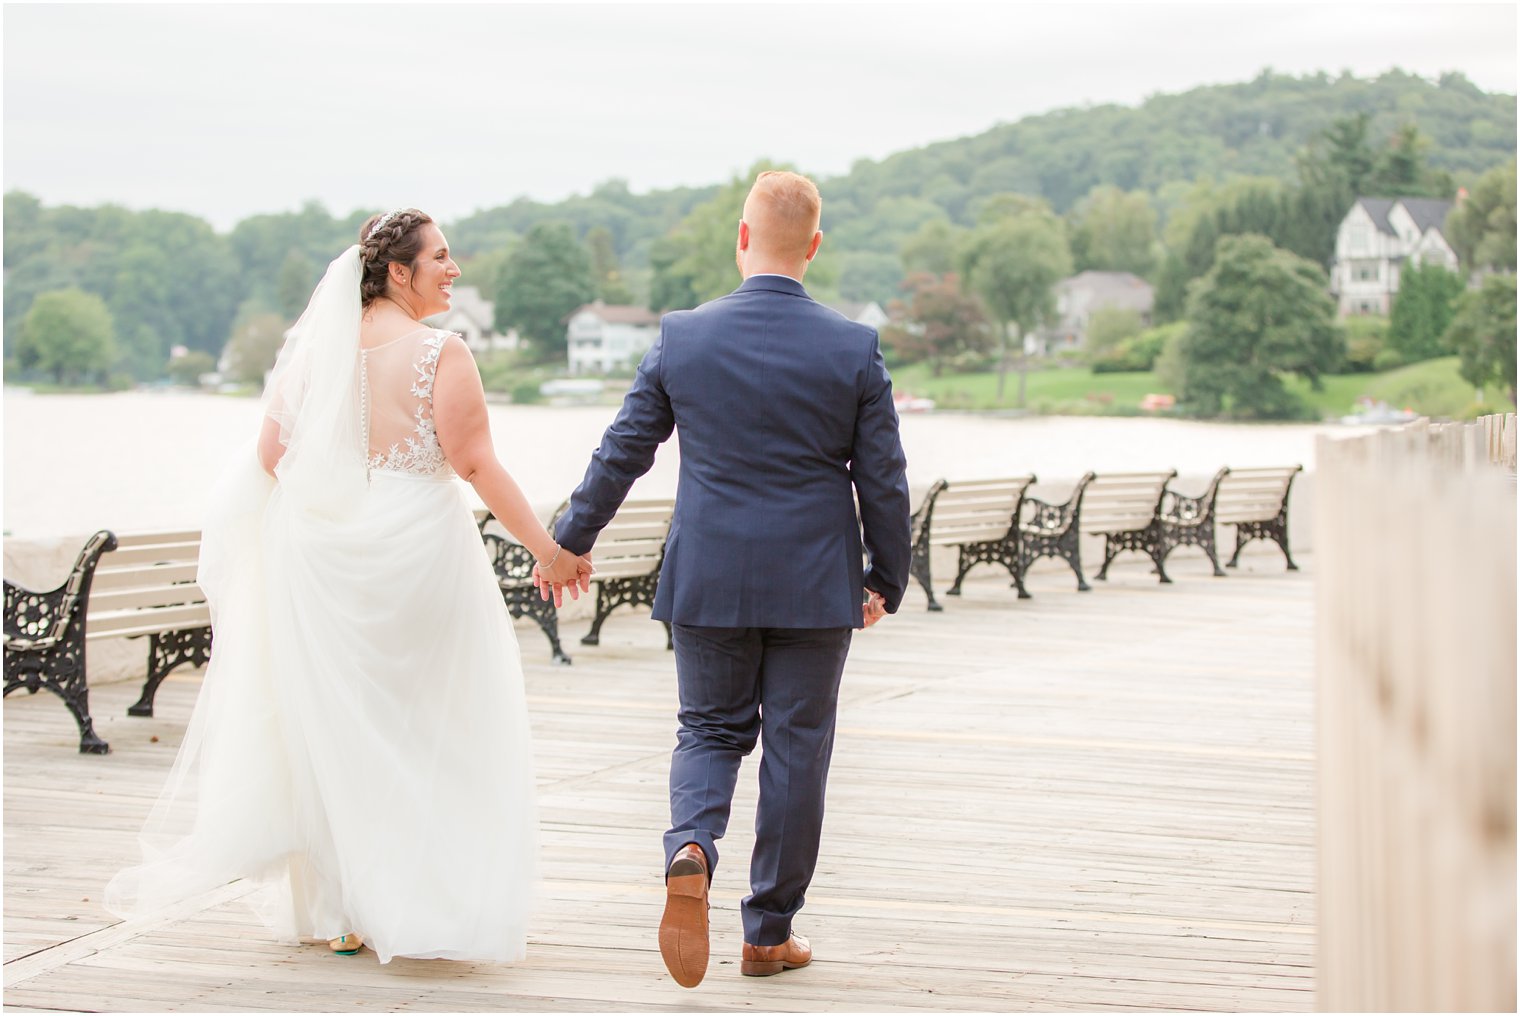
{"points": [[398, 239]]}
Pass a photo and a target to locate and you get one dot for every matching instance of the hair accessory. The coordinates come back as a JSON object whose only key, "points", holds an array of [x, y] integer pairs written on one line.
{"points": [[384, 221]]}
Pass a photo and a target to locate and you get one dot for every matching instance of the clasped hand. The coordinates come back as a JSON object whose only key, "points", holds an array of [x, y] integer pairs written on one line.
{"points": [[569, 571]]}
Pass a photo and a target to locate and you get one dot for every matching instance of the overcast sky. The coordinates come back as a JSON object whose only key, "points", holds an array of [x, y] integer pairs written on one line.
{"points": [[228, 111]]}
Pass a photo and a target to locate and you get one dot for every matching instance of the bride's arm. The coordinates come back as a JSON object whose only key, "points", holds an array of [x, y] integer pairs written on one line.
{"points": [[464, 434], [270, 446]]}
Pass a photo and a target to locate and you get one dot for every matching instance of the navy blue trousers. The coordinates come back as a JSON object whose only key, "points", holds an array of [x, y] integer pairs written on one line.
{"points": [[779, 686]]}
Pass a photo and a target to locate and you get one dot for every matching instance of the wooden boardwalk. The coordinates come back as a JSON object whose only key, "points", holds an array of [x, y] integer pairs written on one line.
{"points": [[1075, 802]]}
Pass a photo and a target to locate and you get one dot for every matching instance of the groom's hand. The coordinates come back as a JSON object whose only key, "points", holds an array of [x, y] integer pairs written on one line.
{"points": [[874, 609]]}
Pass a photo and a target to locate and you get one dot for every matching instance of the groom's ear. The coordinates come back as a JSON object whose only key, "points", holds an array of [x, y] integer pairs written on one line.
{"points": [[813, 247], [743, 235]]}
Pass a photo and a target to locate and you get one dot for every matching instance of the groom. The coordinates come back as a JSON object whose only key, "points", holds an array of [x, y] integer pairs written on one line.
{"points": [[786, 417]]}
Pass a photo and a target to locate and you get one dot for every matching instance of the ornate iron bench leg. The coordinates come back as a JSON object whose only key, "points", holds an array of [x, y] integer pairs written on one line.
{"points": [[89, 742], [1281, 536], [965, 563], [1158, 555], [525, 602], [604, 605], [1071, 552], [1111, 549], [919, 569], [69, 686], [1017, 565], [167, 651], [548, 620], [1241, 539], [670, 638], [1206, 541], [550, 624]]}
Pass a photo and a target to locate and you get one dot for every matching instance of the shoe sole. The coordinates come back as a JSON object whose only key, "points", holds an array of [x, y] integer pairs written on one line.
{"points": [[756, 968], [683, 926]]}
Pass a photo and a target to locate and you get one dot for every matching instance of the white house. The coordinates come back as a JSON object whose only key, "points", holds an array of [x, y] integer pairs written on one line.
{"points": [[473, 317], [869, 313], [606, 337], [1082, 295], [1374, 241]]}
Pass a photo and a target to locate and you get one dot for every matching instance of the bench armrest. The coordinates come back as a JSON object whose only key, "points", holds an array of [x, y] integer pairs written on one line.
{"points": [[1044, 515], [1177, 507]]}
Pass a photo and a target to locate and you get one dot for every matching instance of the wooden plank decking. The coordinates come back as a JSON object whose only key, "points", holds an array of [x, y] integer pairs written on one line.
{"points": [[1075, 802]]}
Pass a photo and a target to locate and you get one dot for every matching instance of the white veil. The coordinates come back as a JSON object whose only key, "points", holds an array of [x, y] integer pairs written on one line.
{"points": [[314, 394], [236, 741]]}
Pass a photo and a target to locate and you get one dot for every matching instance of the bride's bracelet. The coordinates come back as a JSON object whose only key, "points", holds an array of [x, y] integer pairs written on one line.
{"points": [[545, 567]]}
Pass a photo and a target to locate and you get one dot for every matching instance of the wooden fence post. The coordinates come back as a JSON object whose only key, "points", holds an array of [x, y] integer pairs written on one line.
{"points": [[1415, 646]]}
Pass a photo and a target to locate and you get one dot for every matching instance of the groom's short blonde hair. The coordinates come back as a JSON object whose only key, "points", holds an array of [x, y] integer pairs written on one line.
{"points": [[783, 211]]}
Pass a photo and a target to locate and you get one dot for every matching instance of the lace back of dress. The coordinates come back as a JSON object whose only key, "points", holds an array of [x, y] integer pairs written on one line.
{"points": [[398, 397]]}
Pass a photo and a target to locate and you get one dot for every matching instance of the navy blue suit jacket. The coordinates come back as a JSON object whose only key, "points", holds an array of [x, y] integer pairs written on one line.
{"points": [[784, 412]]}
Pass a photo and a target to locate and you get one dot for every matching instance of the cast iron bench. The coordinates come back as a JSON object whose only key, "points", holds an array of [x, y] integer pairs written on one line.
{"points": [[1125, 509], [979, 518], [1047, 529], [1255, 502], [628, 554], [1189, 521], [513, 564], [120, 587]]}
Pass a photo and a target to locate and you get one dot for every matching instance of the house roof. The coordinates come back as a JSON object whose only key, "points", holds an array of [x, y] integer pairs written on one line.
{"points": [[1378, 209], [618, 313], [1427, 213], [475, 307], [1108, 284]]}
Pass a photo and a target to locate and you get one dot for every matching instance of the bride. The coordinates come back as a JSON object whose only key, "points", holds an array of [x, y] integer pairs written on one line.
{"points": [[359, 750]]}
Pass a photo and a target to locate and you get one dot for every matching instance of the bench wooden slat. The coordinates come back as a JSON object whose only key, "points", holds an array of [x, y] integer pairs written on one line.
{"points": [[128, 540], [155, 596], [141, 576], [153, 553], [150, 619], [618, 534]]}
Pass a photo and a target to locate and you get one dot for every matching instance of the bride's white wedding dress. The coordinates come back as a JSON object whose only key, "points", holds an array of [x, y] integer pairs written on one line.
{"points": [[360, 745]]}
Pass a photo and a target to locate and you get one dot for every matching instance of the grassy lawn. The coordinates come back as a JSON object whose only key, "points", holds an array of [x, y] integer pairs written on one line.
{"points": [[1432, 388], [1063, 390]]}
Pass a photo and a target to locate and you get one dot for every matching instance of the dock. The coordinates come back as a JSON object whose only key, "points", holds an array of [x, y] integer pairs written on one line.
{"points": [[1081, 801]]}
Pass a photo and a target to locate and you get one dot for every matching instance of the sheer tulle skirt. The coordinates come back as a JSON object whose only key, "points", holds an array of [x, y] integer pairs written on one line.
{"points": [[360, 745]]}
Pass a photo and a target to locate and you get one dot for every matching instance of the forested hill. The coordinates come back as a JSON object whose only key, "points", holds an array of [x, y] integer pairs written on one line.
{"points": [[1216, 131], [155, 280]]}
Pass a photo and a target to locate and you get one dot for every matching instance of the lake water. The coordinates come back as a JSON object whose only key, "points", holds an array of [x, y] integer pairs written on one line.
{"points": [[146, 460]]}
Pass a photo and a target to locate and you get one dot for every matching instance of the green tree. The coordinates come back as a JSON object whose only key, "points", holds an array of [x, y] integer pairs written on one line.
{"points": [[1402, 170], [1422, 310], [254, 345], [1366, 338], [939, 323], [1258, 314], [606, 270], [868, 275], [1482, 227], [1114, 231], [298, 277], [697, 264], [187, 368], [1483, 334], [1013, 261], [546, 278], [933, 249], [68, 334], [1109, 326]]}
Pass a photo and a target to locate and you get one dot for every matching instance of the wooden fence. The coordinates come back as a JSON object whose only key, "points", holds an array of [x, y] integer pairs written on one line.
{"points": [[1415, 647]]}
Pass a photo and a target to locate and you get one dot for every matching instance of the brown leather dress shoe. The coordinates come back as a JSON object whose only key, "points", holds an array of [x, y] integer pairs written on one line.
{"points": [[683, 927], [765, 960]]}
